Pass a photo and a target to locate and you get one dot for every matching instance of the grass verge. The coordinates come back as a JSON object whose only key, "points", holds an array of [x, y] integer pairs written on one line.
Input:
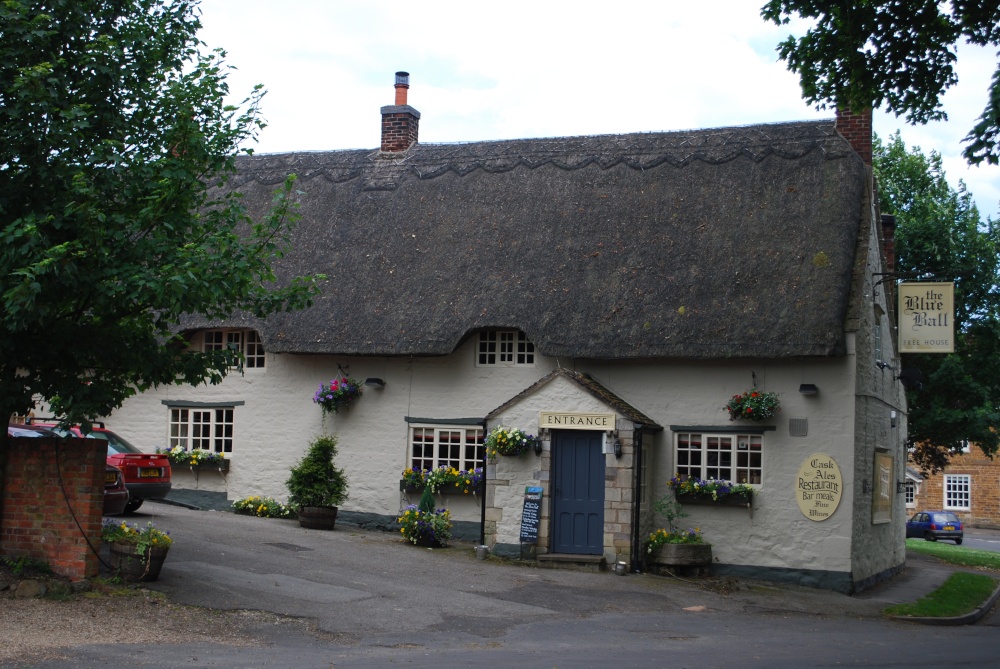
{"points": [[967, 557], [962, 593]]}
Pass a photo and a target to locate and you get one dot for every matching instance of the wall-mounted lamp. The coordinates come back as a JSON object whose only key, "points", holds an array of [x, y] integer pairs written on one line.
{"points": [[538, 445], [373, 382], [892, 418], [900, 487], [618, 447], [808, 389]]}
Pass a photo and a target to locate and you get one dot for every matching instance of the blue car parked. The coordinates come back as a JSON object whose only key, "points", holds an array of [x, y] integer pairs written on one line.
{"points": [[934, 525]]}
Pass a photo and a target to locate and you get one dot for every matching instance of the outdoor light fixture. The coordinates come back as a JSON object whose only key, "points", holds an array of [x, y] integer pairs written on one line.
{"points": [[538, 445], [900, 487], [808, 389], [618, 447], [373, 382], [892, 418]]}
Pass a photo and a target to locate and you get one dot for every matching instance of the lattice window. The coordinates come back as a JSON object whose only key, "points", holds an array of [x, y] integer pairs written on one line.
{"points": [[724, 457], [504, 348], [247, 342], [957, 491], [209, 429], [460, 447]]}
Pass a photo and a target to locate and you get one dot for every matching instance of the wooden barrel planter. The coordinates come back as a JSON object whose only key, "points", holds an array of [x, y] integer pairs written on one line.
{"points": [[317, 517]]}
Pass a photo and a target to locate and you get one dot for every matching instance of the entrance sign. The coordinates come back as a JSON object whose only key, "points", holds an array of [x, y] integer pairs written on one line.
{"points": [[573, 420], [926, 317], [531, 514], [818, 487]]}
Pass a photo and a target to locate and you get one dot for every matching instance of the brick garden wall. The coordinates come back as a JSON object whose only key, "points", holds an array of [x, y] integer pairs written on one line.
{"points": [[53, 498], [984, 499]]}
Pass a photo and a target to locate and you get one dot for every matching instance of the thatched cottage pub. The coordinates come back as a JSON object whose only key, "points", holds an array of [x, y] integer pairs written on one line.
{"points": [[609, 294]]}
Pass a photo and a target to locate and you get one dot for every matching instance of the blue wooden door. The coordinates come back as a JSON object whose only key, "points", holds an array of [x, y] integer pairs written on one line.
{"points": [[578, 499]]}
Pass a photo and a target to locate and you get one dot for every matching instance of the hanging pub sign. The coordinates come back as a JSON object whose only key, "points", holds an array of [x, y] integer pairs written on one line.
{"points": [[926, 317]]}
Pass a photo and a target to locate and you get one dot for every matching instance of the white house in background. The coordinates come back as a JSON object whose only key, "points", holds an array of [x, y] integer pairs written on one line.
{"points": [[634, 280]]}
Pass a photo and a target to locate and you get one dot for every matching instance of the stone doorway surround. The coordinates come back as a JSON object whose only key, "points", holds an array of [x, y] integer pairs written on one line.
{"points": [[573, 393]]}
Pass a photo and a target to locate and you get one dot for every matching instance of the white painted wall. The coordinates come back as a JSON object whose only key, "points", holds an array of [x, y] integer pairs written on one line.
{"points": [[278, 418]]}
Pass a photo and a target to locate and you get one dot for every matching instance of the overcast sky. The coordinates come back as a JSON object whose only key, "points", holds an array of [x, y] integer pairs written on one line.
{"points": [[547, 68]]}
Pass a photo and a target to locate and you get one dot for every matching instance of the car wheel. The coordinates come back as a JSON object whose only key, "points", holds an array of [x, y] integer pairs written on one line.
{"points": [[132, 505], [927, 535], [958, 542]]}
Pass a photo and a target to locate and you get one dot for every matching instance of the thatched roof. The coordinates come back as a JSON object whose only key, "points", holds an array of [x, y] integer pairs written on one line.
{"points": [[733, 242]]}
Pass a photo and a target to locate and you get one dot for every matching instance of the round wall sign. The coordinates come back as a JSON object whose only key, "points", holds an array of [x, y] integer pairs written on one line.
{"points": [[818, 487]]}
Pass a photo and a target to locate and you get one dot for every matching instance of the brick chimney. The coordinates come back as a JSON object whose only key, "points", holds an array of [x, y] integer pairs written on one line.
{"points": [[889, 241], [399, 121], [857, 129]]}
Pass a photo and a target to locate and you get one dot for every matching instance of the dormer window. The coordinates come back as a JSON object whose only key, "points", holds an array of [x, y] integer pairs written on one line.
{"points": [[246, 342], [504, 348]]}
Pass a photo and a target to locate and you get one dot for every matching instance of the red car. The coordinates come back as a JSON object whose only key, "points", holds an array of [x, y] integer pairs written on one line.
{"points": [[147, 475]]}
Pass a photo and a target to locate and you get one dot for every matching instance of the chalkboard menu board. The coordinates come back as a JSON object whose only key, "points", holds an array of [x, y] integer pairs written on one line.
{"points": [[530, 515]]}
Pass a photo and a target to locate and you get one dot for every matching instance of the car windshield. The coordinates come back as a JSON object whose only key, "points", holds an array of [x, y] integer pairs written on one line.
{"points": [[944, 518], [21, 432], [116, 445]]}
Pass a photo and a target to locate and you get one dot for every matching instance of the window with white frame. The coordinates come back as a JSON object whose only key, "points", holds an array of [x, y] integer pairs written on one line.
{"points": [[724, 457], [458, 446], [246, 342], [910, 489], [504, 348], [957, 491], [205, 428]]}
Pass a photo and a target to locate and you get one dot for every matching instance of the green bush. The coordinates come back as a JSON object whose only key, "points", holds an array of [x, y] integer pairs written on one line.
{"points": [[315, 481]]}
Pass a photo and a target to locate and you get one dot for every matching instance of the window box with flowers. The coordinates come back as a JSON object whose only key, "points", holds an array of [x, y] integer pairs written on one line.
{"points": [[196, 458], [338, 394], [443, 480], [690, 490], [509, 441], [754, 405]]}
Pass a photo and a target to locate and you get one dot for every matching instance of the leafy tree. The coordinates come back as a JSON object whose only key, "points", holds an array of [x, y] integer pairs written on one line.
{"points": [[114, 143], [939, 231], [900, 53]]}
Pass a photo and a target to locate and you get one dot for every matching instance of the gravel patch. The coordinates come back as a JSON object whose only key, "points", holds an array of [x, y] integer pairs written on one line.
{"points": [[40, 628]]}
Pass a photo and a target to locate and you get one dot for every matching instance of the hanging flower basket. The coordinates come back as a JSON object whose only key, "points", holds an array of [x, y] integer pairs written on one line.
{"points": [[753, 405], [509, 441], [338, 394]]}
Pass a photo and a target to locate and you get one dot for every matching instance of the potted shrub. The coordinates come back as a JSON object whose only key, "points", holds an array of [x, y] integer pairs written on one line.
{"points": [[137, 554], [316, 487]]}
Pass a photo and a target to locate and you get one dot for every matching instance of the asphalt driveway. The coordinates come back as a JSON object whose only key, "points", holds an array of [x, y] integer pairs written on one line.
{"points": [[365, 599]]}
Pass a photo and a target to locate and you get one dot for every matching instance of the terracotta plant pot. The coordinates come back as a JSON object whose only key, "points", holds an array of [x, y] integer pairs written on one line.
{"points": [[317, 517]]}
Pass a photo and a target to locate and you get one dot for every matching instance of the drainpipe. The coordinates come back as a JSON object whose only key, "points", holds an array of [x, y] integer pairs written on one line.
{"points": [[637, 466], [482, 511]]}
